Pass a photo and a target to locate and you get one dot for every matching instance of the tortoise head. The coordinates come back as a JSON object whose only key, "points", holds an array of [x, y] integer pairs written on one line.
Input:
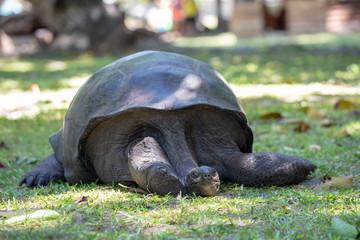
{"points": [[203, 181]]}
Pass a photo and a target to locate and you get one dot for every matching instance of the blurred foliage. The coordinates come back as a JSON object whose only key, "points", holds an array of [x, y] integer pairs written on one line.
{"points": [[333, 62], [286, 65]]}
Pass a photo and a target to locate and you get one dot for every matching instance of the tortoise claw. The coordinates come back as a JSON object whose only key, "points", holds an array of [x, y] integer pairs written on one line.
{"points": [[30, 181], [22, 181], [53, 180], [42, 181], [163, 180]]}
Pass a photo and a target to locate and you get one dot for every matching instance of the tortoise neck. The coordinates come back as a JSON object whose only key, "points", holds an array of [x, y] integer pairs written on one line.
{"points": [[177, 148]]}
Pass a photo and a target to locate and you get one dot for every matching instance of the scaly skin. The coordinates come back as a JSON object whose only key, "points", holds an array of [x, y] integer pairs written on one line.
{"points": [[171, 152]]}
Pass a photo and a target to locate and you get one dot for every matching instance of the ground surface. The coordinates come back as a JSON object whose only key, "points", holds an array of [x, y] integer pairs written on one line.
{"points": [[315, 90]]}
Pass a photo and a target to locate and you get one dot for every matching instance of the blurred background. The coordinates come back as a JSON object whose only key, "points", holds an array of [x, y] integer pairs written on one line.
{"points": [[293, 64], [117, 26]]}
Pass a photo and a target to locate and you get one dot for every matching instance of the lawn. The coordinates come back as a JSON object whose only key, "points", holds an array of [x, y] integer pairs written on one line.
{"points": [[236, 212]]}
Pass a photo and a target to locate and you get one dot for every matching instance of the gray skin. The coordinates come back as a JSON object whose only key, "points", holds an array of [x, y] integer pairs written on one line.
{"points": [[166, 122]]}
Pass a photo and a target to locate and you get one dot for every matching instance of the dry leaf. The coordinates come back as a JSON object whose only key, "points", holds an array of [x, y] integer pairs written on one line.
{"points": [[82, 200], [310, 183], [35, 215], [344, 134], [327, 123], [288, 121], [290, 80], [134, 190], [313, 113], [314, 147], [344, 105], [285, 208], [273, 115], [344, 229], [2, 165], [301, 127], [336, 182], [34, 88], [327, 183]]}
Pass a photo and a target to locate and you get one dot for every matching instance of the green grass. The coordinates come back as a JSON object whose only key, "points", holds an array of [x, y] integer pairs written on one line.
{"points": [[229, 41], [299, 63], [236, 212], [288, 65], [282, 59]]}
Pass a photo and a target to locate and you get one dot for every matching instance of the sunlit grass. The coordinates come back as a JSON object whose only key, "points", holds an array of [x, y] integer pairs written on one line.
{"points": [[287, 66], [353, 128], [229, 40], [220, 40], [16, 66], [54, 66], [236, 212]]}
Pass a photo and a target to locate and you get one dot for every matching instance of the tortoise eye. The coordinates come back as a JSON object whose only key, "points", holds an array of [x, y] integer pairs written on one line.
{"points": [[194, 174]]}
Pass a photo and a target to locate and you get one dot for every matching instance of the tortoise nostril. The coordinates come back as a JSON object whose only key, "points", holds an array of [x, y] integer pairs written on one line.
{"points": [[206, 176]]}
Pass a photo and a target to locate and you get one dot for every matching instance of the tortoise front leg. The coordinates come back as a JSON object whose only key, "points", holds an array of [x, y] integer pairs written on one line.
{"points": [[267, 168], [150, 168], [48, 171]]}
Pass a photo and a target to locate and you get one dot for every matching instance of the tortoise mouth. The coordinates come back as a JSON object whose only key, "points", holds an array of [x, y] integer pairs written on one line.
{"points": [[203, 181]]}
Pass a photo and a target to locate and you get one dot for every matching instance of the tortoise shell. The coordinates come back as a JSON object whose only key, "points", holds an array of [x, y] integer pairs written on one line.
{"points": [[150, 79]]}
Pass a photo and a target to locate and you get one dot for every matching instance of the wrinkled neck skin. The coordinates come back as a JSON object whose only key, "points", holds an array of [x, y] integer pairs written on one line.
{"points": [[178, 150], [165, 159], [201, 180]]}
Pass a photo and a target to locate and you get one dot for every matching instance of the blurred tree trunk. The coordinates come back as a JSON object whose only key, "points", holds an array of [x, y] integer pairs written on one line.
{"points": [[102, 25], [222, 24]]}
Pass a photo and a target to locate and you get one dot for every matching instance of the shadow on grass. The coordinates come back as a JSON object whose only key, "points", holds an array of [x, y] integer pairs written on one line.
{"points": [[244, 212], [236, 211], [335, 133], [285, 65]]}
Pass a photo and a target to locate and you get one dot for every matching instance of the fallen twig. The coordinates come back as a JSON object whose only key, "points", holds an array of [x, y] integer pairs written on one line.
{"points": [[134, 190]]}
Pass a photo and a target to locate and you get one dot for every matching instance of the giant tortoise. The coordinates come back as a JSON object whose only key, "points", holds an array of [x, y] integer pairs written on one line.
{"points": [[166, 122]]}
